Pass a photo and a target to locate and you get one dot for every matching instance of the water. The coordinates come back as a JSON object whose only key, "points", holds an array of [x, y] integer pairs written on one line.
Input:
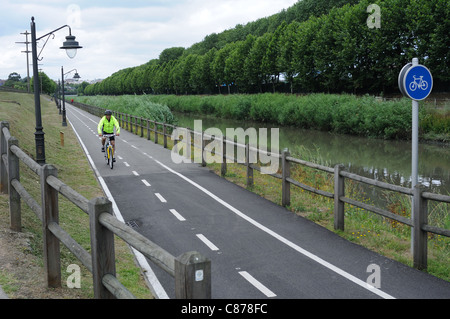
{"points": [[388, 161]]}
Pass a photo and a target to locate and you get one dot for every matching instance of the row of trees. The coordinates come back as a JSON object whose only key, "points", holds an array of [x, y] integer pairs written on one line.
{"points": [[332, 52], [15, 81]]}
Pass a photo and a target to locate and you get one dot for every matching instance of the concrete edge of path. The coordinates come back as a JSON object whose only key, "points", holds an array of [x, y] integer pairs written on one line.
{"points": [[3, 294]]}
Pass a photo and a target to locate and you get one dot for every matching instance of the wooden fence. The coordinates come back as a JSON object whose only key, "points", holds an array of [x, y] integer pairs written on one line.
{"points": [[420, 198], [186, 269]]}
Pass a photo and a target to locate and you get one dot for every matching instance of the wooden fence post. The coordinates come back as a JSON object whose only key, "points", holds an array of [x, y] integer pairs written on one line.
{"points": [[136, 128], [165, 135], [156, 132], [102, 246], [15, 209], [420, 218], [142, 127], [192, 276], [286, 172], [247, 164], [223, 168], [50, 214], [203, 145], [339, 191], [3, 151], [148, 129]]}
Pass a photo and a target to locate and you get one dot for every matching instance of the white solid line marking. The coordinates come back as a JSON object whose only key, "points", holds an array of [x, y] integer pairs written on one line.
{"points": [[177, 215], [162, 199], [135, 173], [257, 284], [207, 242], [146, 183]]}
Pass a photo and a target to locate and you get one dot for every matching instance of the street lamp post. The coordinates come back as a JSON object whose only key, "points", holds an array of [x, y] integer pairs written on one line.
{"points": [[76, 76], [70, 45], [59, 97]]}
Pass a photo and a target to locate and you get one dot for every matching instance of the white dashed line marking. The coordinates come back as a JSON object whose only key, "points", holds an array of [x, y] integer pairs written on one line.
{"points": [[162, 199], [177, 215], [146, 183], [207, 242], [257, 284]]}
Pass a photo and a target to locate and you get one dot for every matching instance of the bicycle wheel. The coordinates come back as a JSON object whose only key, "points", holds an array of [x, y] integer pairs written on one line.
{"points": [[424, 85], [413, 86], [111, 156], [106, 154]]}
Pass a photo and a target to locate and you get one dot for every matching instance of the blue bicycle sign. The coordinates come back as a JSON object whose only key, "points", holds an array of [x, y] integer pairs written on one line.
{"points": [[415, 82]]}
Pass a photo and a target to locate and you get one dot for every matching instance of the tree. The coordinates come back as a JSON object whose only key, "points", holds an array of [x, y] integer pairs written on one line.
{"points": [[15, 77], [218, 67], [14, 81], [48, 86], [287, 41], [253, 63], [82, 87], [235, 63], [171, 54], [270, 60], [304, 59], [439, 45]]}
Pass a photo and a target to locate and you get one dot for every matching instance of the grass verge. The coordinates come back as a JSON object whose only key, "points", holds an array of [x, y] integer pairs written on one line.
{"points": [[22, 277]]}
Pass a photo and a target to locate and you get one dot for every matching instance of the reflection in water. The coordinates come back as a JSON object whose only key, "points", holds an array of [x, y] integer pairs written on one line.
{"points": [[388, 161]]}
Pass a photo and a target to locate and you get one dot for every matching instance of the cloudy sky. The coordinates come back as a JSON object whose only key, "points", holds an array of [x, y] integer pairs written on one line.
{"points": [[116, 34]]}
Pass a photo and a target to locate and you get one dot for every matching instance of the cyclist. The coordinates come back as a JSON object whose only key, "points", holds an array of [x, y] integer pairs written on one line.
{"points": [[106, 126]]}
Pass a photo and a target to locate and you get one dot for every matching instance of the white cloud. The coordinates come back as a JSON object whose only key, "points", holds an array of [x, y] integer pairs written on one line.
{"points": [[116, 34]]}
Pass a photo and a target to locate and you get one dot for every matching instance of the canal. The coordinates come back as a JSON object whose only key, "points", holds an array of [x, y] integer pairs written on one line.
{"points": [[383, 160]]}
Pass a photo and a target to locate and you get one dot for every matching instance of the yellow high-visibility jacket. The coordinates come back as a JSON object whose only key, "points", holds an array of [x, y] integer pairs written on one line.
{"points": [[108, 126]]}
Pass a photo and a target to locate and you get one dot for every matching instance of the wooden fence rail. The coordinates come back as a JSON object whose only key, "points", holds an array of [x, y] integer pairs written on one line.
{"points": [[419, 221], [103, 227]]}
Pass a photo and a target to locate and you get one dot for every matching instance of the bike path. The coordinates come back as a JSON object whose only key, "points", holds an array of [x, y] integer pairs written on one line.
{"points": [[258, 249]]}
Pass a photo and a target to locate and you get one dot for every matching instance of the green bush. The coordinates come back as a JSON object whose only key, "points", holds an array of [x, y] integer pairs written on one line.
{"points": [[131, 104]]}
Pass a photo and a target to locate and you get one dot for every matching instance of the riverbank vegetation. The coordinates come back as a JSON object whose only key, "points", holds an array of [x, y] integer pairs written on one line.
{"points": [[339, 113], [133, 105]]}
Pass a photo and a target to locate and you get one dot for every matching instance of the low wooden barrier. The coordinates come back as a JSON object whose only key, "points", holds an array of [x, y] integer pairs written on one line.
{"points": [[103, 226]]}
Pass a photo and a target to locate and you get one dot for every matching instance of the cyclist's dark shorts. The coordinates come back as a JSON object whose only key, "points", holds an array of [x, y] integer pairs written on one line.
{"points": [[112, 138]]}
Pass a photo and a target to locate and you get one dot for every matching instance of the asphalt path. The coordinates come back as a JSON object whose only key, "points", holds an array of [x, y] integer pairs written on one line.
{"points": [[257, 249]]}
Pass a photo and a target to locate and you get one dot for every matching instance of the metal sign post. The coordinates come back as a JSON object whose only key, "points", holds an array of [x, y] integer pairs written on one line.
{"points": [[416, 82]]}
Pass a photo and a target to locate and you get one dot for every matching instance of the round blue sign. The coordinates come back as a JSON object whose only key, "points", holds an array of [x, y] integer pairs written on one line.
{"points": [[418, 82]]}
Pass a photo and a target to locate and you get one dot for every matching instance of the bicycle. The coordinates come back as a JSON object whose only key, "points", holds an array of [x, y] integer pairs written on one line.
{"points": [[418, 83], [109, 150]]}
